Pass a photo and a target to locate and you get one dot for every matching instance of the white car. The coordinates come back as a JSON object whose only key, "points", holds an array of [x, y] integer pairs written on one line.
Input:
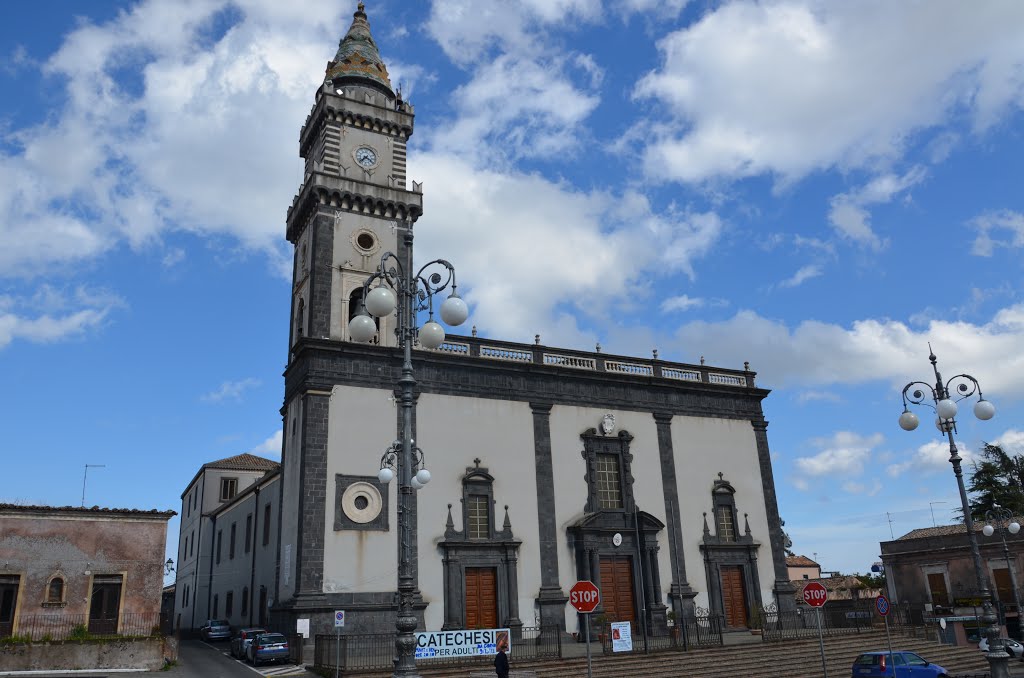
{"points": [[1013, 648]]}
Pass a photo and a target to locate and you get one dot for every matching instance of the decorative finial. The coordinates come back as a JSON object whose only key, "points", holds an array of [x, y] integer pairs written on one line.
{"points": [[746, 523], [655, 354], [507, 526], [598, 347], [361, 7], [474, 330], [720, 474], [477, 462], [536, 339], [706, 530], [746, 366], [702, 360]]}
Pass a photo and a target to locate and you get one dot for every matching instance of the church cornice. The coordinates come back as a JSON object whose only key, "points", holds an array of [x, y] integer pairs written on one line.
{"points": [[324, 363], [351, 195]]}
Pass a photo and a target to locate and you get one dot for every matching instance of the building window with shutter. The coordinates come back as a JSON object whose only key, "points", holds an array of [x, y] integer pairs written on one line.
{"points": [[231, 543], [266, 525], [228, 488], [220, 535], [608, 464], [248, 532]]}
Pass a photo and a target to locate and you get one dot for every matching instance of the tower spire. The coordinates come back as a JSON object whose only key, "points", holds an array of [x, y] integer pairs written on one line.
{"points": [[358, 61]]}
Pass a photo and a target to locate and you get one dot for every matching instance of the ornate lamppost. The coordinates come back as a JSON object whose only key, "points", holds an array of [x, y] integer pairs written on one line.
{"points": [[1001, 519], [941, 396], [394, 285]]}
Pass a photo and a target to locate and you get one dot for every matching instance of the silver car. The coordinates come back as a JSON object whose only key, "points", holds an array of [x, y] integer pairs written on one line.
{"points": [[1013, 648], [215, 629]]}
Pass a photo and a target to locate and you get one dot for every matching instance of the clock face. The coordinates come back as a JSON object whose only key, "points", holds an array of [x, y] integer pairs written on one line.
{"points": [[366, 156]]}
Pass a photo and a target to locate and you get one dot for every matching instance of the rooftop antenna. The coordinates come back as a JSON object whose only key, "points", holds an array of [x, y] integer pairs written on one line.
{"points": [[931, 505], [888, 517], [85, 477]]}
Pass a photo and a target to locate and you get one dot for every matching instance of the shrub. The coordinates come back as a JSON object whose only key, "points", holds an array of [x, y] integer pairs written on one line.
{"points": [[80, 632]]}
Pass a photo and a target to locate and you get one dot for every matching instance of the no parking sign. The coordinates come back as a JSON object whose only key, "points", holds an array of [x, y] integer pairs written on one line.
{"points": [[339, 619], [882, 605]]}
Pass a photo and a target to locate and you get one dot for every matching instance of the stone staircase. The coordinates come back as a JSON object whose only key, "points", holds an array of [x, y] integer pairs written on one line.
{"points": [[788, 659]]}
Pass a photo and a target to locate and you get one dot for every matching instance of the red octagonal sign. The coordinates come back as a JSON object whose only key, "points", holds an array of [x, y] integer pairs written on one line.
{"points": [[815, 594], [584, 596]]}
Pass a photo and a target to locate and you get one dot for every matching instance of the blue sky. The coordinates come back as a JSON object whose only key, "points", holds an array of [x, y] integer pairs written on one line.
{"points": [[818, 187]]}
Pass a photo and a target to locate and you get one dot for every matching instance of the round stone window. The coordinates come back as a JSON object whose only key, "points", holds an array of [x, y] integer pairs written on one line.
{"points": [[365, 241], [361, 502]]}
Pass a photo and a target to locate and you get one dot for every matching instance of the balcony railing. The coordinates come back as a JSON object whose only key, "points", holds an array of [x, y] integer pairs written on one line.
{"points": [[584, 361], [46, 627]]}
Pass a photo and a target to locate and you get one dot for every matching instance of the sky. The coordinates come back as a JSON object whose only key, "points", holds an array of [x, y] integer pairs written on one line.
{"points": [[818, 187]]}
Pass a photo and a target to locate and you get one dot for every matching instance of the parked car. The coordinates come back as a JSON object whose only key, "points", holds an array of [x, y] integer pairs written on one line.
{"points": [[1013, 648], [268, 647], [905, 664], [215, 629], [240, 642]]}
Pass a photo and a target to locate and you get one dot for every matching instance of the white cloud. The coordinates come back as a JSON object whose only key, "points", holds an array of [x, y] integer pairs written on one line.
{"points": [[271, 447], [791, 87], [844, 454], [681, 303], [849, 216], [801, 276], [1012, 441], [230, 390], [468, 29], [150, 147], [1010, 222], [526, 263], [932, 457], [818, 396], [53, 314], [816, 353]]}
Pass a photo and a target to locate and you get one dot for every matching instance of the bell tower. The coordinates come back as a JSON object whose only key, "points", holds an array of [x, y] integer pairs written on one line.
{"points": [[353, 201]]}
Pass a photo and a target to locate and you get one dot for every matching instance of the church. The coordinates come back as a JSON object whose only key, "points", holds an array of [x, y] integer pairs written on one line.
{"points": [[651, 479]]}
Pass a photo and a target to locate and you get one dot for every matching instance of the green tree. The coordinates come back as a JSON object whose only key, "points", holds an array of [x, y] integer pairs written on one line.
{"points": [[997, 478]]}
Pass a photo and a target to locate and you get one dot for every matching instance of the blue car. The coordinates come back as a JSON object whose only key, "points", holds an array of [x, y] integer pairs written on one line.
{"points": [[268, 647], [898, 664]]}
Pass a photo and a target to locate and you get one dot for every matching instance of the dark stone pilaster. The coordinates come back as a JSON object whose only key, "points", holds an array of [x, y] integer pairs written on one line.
{"points": [[783, 589], [680, 592], [551, 598], [309, 545], [320, 272]]}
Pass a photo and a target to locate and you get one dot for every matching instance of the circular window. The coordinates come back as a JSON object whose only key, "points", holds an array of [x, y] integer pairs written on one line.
{"points": [[365, 241], [361, 502]]}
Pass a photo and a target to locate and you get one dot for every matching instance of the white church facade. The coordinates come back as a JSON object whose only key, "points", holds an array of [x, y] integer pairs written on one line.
{"points": [[650, 478]]}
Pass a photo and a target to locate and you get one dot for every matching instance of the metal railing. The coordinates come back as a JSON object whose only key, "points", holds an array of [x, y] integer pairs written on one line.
{"points": [[47, 627], [375, 651], [702, 629]]}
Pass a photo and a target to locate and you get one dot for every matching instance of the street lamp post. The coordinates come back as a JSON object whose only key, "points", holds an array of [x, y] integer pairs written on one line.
{"points": [[941, 397], [1001, 519], [398, 287]]}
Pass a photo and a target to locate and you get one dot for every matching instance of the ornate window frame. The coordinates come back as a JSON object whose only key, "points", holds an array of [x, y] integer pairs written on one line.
{"points": [[48, 598], [595, 444]]}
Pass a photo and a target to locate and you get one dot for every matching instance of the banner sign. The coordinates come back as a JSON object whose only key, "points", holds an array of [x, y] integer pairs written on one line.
{"points": [[476, 643], [622, 637]]}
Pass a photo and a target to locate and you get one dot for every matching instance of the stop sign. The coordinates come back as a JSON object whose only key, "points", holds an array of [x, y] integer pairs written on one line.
{"points": [[584, 596], [815, 594]]}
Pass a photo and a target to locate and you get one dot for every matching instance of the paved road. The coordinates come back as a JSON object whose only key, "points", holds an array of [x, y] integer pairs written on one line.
{"points": [[197, 659]]}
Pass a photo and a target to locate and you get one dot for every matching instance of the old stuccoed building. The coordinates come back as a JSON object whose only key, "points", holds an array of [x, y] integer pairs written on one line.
{"points": [[652, 479], [68, 566]]}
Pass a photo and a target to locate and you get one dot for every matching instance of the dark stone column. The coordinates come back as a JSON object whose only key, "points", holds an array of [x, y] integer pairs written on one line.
{"points": [[513, 622], [551, 599], [309, 542], [680, 592], [321, 258], [783, 589]]}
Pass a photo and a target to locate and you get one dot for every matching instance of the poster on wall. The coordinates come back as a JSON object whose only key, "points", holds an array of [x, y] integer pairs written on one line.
{"points": [[622, 637], [475, 643]]}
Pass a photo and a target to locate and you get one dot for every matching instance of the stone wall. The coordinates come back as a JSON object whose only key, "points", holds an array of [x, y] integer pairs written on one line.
{"points": [[145, 654]]}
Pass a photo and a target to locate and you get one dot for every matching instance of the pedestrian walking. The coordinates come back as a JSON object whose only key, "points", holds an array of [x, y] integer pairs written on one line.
{"points": [[501, 660]]}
